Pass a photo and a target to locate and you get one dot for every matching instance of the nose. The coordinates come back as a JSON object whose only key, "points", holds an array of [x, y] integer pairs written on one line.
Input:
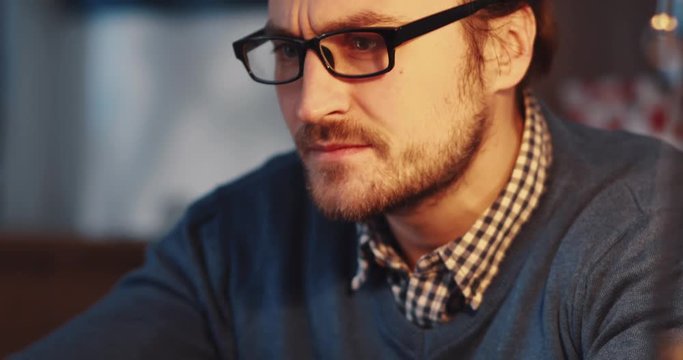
{"points": [[322, 95]]}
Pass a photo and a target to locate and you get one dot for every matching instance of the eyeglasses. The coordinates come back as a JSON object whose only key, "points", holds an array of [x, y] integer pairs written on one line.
{"points": [[351, 53]]}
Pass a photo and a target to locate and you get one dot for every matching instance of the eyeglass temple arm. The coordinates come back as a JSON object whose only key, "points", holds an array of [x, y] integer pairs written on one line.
{"points": [[438, 20]]}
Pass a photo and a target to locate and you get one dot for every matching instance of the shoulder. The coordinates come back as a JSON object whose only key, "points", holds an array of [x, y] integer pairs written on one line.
{"points": [[617, 200], [615, 167], [255, 212], [278, 183], [616, 193], [263, 213]]}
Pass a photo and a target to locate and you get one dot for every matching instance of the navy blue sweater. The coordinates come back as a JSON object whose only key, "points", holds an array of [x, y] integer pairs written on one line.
{"points": [[254, 271]]}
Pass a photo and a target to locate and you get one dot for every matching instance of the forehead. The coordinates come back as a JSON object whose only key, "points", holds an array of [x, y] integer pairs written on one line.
{"points": [[307, 18]]}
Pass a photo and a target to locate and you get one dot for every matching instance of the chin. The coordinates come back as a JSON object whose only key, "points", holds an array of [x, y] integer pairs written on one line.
{"points": [[345, 200]]}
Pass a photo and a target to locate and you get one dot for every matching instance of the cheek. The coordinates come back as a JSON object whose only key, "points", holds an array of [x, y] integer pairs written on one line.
{"points": [[288, 98], [404, 102]]}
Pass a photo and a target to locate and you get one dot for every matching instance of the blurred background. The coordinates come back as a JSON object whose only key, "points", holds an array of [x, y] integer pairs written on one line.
{"points": [[115, 115], [118, 114]]}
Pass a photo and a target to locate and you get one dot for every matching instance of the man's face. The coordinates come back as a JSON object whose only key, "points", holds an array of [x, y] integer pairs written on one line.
{"points": [[380, 144]]}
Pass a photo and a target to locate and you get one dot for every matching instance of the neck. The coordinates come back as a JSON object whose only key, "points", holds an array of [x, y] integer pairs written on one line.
{"points": [[450, 214]]}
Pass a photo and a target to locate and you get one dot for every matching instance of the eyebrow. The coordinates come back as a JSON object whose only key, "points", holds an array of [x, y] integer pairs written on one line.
{"points": [[362, 19]]}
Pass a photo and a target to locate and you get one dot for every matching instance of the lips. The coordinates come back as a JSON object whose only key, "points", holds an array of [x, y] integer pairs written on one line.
{"points": [[334, 151], [327, 148]]}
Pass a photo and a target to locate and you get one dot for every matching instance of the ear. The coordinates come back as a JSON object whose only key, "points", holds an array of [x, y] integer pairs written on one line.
{"points": [[510, 48]]}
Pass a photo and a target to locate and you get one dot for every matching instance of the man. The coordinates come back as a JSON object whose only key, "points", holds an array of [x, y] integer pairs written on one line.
{"points": [[434, 209]]}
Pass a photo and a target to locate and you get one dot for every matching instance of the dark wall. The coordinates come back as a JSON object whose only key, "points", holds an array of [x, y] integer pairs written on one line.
{"points": [[598, 38]]}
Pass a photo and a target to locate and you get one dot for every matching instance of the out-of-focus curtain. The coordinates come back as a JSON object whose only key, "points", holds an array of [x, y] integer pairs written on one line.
{"points": [[41, 114], [173, 116], [118, 118]]}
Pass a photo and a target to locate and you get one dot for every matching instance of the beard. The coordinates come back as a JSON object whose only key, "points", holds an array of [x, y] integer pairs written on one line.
{"points": [[398, 180], [390, 183]]}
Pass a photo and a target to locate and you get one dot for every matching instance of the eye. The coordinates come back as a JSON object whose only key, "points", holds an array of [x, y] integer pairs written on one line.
{"points": [[286, 50], [362, 43]]}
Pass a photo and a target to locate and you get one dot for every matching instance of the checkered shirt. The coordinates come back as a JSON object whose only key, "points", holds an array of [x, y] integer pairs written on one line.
{"points": [[458, 273]]}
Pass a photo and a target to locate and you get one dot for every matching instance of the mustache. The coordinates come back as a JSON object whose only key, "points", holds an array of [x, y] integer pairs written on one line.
{"points": [[309, 135]]}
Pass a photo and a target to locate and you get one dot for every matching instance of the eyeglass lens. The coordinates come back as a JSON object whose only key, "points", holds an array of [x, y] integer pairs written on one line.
{"points": [[350, 53]]}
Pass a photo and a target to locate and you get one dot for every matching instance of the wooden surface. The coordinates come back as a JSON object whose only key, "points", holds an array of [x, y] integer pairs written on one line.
{"points": [[46, 280]]}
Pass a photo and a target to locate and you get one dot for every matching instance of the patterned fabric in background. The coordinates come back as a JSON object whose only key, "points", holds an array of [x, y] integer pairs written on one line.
{"points": [[639, 105]]}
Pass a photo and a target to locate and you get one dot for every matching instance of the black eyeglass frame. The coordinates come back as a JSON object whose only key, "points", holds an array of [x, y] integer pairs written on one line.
{"points": [[393, 37]]}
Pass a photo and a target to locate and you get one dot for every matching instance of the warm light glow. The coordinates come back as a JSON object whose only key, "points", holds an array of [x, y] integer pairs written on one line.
{"points": [[664, 22]]}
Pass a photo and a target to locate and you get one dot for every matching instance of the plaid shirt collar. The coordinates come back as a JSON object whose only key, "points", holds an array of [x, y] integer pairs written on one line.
{"points": [[461, 271]]}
